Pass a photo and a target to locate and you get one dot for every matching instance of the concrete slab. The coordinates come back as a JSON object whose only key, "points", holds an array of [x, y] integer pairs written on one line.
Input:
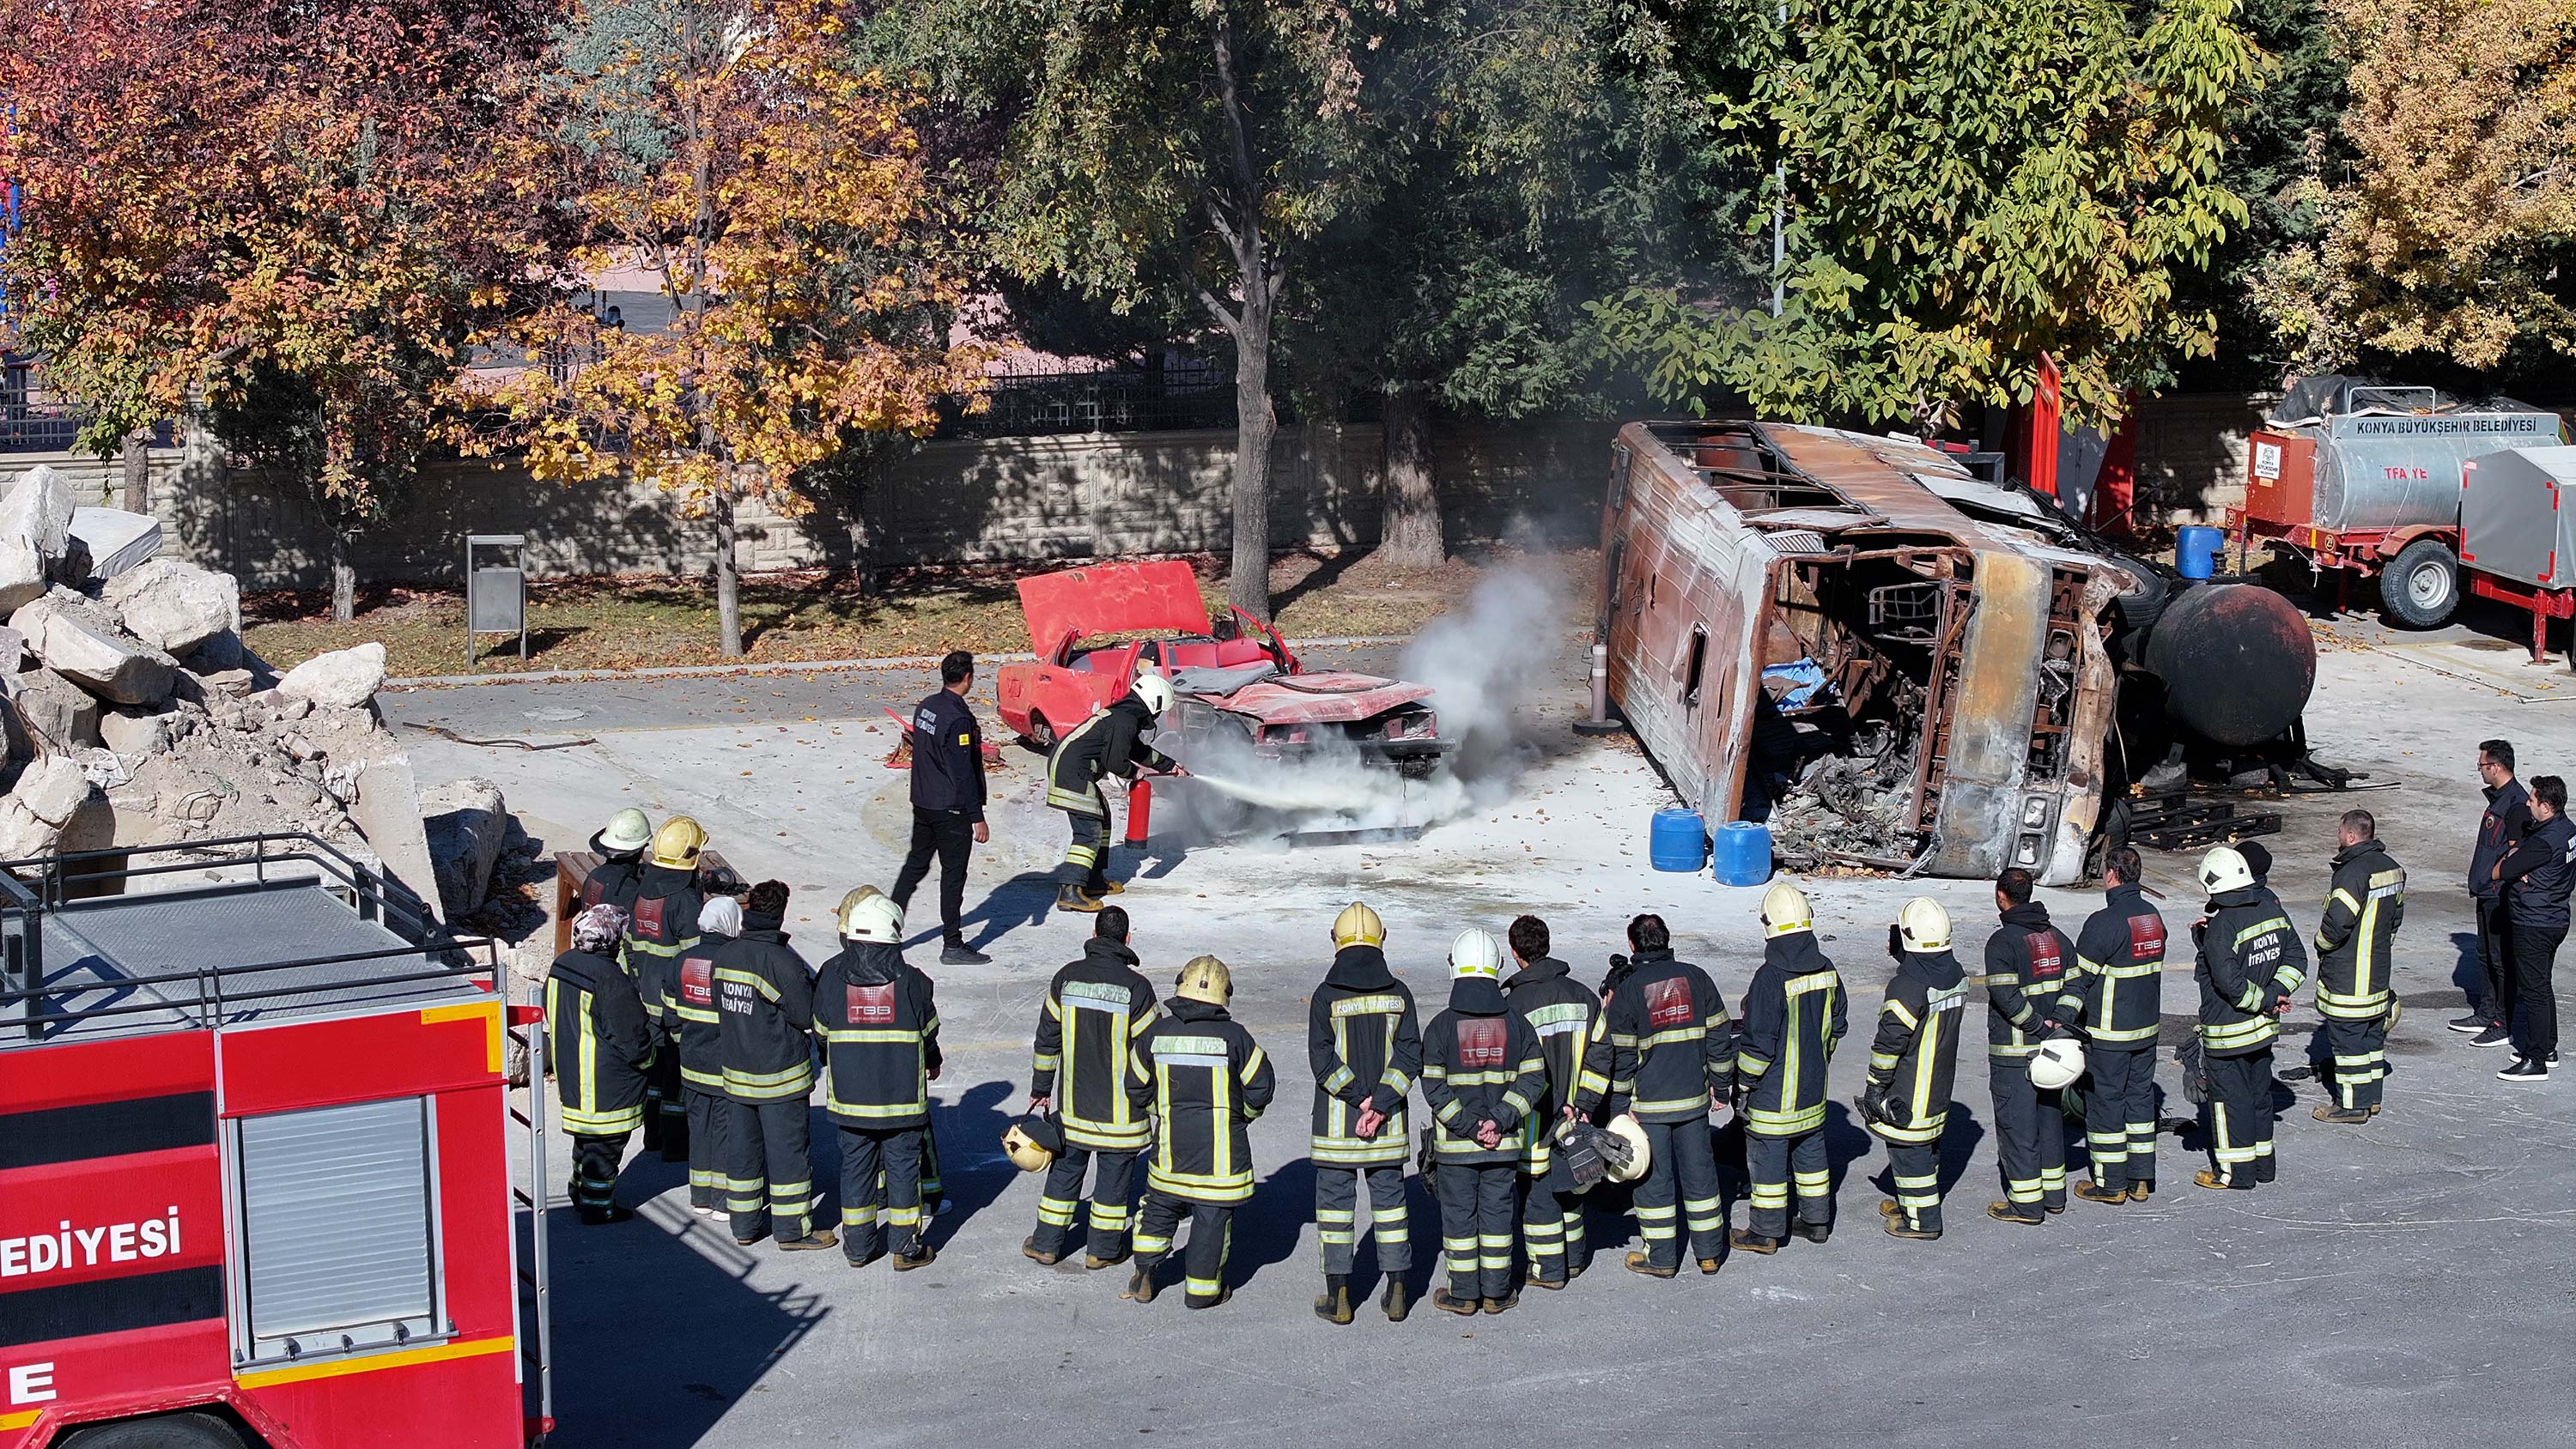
{"points": [[2405, 1283]]}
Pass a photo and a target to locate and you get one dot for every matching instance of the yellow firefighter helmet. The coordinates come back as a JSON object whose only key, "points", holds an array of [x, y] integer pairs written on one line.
{"points": [[1357, 925], [677, 843], [1032, 1143], [1205, 979]]}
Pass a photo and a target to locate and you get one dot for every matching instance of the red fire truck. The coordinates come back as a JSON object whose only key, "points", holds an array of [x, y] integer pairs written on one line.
{"points": [[255, 1140]]}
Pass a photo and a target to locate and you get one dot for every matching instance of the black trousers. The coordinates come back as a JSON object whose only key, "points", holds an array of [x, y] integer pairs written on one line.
{"points": [[1772, 1163], [1086, 859], [880, 1190], [1915, 1168], [595, 1160], [2240, 1116], [949, 835], [1552, 1226], [1211, 1239], [1337, 1209], [706, 1146], [2357, 1062], [1680, 1191], [666, 1105], [2535, 961], [769, 1173], [2495, 962], [2030, 1134], [2120, 1115], [1113, 1194], [1478, 1226]]}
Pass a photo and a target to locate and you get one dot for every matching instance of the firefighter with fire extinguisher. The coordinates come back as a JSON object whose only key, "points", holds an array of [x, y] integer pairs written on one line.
{"points": [[1108, 745], [765, 1005], [601, 1045], [662, 927], [880, 1031]]}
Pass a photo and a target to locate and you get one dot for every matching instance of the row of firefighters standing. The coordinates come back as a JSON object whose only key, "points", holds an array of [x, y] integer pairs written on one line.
{"points": [[1119, 1074]]}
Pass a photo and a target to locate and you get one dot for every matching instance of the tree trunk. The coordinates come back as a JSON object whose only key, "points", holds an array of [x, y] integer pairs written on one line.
{"points": [[728, 581], [137, 460], [1410, 536], [344, 580], [1256, 424]]}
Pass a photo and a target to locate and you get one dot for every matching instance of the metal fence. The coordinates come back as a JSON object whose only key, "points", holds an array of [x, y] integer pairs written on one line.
{"points": [[1025, 403], [32, 421]]}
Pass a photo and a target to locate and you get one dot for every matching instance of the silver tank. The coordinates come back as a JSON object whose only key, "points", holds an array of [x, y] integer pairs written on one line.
{"points": [[2390, 470]]}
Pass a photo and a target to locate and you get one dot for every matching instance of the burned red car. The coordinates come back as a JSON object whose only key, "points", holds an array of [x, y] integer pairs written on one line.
{"points": [[1235, 681]]}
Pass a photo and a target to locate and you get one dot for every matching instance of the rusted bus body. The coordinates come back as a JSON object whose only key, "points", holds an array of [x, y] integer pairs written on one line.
{"points": [[1978, 648]]}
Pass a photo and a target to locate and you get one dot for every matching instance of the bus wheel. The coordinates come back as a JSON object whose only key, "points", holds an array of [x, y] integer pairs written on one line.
{"points": [[162, 1431]]}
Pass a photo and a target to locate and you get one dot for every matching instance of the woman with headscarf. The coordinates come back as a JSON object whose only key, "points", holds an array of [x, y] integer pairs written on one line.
{"points": [[600, 1044]]}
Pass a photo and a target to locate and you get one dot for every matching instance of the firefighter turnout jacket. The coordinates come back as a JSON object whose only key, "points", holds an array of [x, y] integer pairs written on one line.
{"points": [[1096, 1010], [2250, 959], [2027, 961], [1915, 1056], [599, 1044], [1480, 1063], [765, 1002], [689, 1012], [1662, 1043], [880, 1034], [947, 756], [1111, 742], [2116, 995], [1565, 1014], [1794, 1014], [1365, 1046], [660, 928], [614, 880], [1204, 1080], [2364, 907]]}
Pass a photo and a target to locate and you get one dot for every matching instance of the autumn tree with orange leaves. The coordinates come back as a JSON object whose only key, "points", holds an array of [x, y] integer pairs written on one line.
{"points": [[776, 195], [302, 224]]}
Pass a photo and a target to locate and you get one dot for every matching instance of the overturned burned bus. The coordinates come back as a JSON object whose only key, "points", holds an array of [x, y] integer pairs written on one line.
{"points": [[1896, 663]]}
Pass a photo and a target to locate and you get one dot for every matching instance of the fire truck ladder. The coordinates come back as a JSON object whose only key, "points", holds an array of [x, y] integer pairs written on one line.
{"points": [[536, 1349]]}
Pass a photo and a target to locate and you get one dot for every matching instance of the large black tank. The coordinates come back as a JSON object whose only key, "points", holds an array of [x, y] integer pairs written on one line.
{"points": [[2236, 660]]}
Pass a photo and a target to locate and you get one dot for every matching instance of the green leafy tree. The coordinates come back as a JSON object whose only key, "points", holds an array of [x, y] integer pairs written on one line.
{"points": [[1968, 187]]}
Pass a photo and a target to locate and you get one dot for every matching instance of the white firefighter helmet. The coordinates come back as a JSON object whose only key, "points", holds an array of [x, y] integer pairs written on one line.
{"points": [[1357, 925], [1206, 979], [1476, 953], [1156, 691], [1627, 1129], [1785, 909], [1923, 925], [1032, 1144], [2057, 1064], [871, 917], [2224, 869], [626, 830]]}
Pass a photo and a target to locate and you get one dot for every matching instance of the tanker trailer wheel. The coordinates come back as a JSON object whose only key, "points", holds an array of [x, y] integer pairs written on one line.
{"points": [[2420, 588], [162, 1431]]}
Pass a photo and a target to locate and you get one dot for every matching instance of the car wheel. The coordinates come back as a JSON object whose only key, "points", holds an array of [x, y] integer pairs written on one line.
{"points": [[2420, 588], [1041, 735]]}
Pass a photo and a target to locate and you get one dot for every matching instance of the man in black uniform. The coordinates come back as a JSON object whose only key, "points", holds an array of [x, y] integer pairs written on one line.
{"points": [[1664, 1049], [599, 1045], [765, 999], [620, 844], [947, 802], [1912, 1062], [2355, 945], [2250, 961], [2116, 999], [1364, 1045], [1095, 1011], [2027, 960], [1565, 1014], [880, 1033], [660, 929], [1482, 1077], [2506, 821], [2536, 877], [1794, 1014], [1204, 1080], [1109, 745], [690, 1007]]}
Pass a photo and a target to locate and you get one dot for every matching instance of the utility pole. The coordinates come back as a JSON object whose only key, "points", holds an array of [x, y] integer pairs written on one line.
{"points": [[1780, 199]]}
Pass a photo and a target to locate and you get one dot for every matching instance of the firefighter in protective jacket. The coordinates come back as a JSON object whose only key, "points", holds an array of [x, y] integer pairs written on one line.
{"points": [[1482, 1078], [1663, 1050], [1365, 1046], [2250, 962], [1794, 1014], [2355, 942], [880, 1032], [1565, 1015], [662, 927], [2116, 998], [1110, 744], [1095, 1011], [1912, 1060], [620, 845], [1204, 1080], [691, 1008], [599, 1045], [765, 1007], [2027, 961]]}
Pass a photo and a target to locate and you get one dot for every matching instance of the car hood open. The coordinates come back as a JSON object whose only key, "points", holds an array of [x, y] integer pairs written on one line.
{"points": [[1111, 599]]}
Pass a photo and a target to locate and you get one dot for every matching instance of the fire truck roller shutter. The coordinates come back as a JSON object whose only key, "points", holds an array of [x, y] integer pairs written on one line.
{"points": [[336, 1228]]}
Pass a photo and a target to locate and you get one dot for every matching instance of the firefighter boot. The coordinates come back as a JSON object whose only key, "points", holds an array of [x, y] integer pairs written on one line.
{"points": [[602, 1217], [2025, 1213], [2095, 1192], [2141, 1188], [919, 1255], [1029, 1250], [1640, 1263], [814, 1240], [1140, 1283], [1071, 898], [1448, 1302], [2207, 1178], [1813, 1232], [1398, 1300], [1504, 1304], [1333, 1305], [1709, 1266], [2332, 1113], [1095, 1262], [1900, 1228], [1753, 1242]]}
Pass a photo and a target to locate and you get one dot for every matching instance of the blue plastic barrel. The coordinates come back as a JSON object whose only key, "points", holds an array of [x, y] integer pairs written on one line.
{"points": [[1678, 841], [2197, 551], [1743, 853]]}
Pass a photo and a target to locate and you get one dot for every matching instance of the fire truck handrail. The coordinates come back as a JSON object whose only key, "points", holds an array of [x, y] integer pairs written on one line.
{"points": [[212, 997], [367, 883]]}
